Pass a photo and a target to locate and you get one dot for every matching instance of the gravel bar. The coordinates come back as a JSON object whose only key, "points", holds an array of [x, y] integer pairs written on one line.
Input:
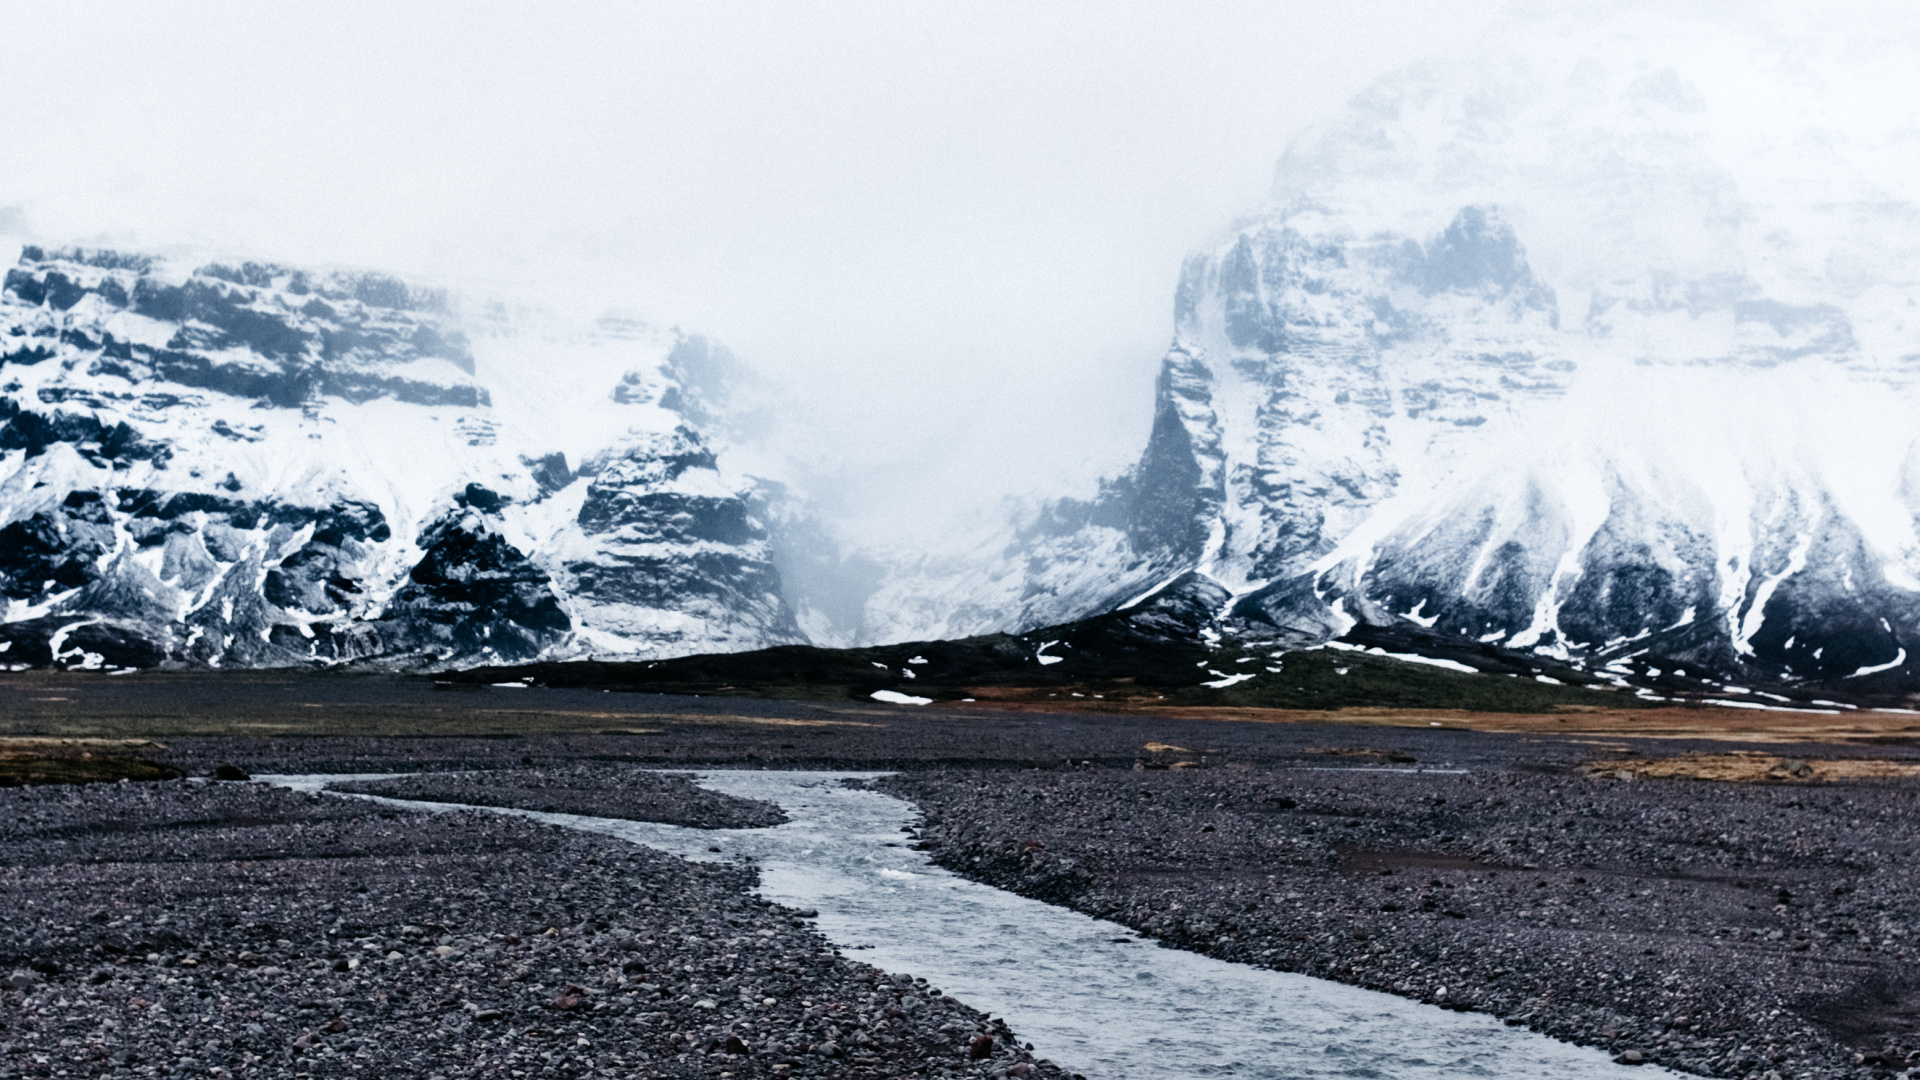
{"points": [[591, 789], [181, 929]]}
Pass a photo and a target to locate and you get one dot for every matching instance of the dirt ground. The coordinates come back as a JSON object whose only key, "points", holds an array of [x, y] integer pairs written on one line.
{"points": [[161, 705], [1718, 723]]}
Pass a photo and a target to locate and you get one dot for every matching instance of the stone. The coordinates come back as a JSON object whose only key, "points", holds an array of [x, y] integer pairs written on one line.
{"points": [[1631, 1057]]}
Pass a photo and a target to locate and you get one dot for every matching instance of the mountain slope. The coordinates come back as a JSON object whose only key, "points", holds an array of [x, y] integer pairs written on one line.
{"points": [[1596, 344], [1163, 651], [256, 465]]}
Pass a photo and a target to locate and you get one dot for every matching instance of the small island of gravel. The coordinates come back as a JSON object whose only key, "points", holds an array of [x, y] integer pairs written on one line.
{"points": [[587, 788]]}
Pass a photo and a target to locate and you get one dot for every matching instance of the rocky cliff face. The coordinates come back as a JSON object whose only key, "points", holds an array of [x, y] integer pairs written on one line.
{"points": [[256, 465], [1396, 430], [1310, 365]]}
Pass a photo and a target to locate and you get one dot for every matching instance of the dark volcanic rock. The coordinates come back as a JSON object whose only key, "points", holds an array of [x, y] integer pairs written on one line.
{"points": [[473, 593], [54, 548]]}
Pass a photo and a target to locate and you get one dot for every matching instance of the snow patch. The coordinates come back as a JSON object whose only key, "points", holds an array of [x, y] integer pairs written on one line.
{"points": [[1408, 658], [1756, 705], [1888, 666], [1415, 616], [894, 697]]}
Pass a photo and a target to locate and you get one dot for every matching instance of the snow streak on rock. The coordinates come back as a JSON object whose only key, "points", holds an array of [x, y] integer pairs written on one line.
{"points": [[256, 465], [1597, 343]]}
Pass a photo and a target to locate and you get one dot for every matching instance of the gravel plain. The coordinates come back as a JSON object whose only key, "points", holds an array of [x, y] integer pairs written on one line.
{"points": [[188, 929], [1726, 930], [1747, 930]]}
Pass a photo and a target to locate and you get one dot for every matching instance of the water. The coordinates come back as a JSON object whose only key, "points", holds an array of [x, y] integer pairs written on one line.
{"points": [[1082, 990]]}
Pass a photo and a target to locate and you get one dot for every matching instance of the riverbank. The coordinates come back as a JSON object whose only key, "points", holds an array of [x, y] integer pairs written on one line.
{"points": [[234, 930], [1722, 929]]}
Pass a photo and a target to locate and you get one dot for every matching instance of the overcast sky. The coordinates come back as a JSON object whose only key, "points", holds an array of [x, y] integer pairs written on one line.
{"points": [[951, 230]]}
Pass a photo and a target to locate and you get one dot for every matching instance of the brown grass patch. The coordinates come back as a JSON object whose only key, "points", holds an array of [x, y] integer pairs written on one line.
{"points": [[1396, 756], [1665, 722], [34, 761], [1748, 767]]}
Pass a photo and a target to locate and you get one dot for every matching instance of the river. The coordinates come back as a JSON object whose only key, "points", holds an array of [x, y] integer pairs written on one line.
{"points": [[1085, 992]]}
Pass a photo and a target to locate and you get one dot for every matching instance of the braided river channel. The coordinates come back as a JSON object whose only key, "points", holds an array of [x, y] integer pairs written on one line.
{"points": [[1085, 992]]}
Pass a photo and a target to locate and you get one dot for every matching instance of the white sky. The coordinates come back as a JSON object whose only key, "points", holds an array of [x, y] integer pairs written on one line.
{"points": [[950, 232]]}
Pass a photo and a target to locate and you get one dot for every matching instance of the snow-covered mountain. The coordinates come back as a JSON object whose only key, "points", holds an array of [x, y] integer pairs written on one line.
{"points": [[1601, 342], [255, 465]]}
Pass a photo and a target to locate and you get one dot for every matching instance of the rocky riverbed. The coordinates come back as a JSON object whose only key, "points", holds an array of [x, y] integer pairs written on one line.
{"points": [[1727, 930], [231, 929]]}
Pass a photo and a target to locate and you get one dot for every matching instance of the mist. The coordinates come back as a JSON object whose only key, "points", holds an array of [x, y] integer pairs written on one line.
{"points": [[945, 236]]}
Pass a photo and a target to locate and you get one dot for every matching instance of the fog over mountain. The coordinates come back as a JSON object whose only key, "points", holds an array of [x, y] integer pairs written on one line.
{"points": [[1595, 338], [1590, 338], [946, 235]]}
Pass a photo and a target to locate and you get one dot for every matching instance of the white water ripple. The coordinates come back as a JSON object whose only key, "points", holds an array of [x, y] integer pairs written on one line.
{"points": [[1111, 1009]]}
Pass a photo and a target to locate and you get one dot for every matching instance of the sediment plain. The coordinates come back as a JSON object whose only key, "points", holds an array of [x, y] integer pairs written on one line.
{"points": [[1578, 882], [234, 929]]}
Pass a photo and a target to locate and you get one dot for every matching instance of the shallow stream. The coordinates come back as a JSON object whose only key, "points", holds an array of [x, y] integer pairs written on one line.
{"points": [[1083, 991]]}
